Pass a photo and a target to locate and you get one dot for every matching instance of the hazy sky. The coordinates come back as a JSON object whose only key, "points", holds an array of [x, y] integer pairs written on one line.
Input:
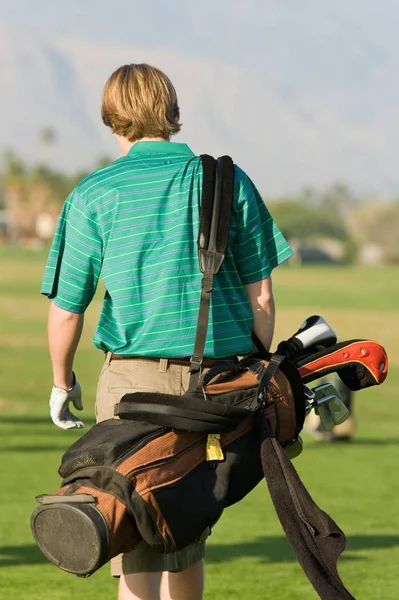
{"points": [[329, 67], [243, 30]]}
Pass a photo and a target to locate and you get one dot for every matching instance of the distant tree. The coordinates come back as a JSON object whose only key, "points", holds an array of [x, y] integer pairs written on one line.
{"points": [[47, 135], [14, 191], [47, 139], [314, 219], [339, 200], [13, 165], [299, 221], [32, 191], [309, 196], [104, 161], [378, 223]]}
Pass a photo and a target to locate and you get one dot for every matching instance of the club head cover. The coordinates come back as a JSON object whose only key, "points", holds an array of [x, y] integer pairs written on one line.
{"points": [[359, 363]]}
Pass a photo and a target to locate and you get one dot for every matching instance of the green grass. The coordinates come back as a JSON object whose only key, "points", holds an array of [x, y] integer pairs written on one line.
{"points": [[248, 556]]}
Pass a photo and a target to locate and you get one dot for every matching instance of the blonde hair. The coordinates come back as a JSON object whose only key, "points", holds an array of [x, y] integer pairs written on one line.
{"points": [[140, 101]]}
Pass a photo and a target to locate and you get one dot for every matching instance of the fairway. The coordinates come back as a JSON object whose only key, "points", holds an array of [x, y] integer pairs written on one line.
{"points": [[248, 557]]}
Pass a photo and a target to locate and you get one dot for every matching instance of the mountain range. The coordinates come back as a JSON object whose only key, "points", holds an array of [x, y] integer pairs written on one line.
{"points": [[298, 92]]}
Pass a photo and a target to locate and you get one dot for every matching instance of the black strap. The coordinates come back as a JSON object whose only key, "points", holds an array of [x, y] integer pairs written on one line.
{"points": [[213, 237], [270, 370], [185, 413], [315, 538]]}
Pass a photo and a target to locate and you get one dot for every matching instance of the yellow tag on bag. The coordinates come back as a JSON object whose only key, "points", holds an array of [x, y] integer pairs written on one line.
{"points": [[213, 448]]}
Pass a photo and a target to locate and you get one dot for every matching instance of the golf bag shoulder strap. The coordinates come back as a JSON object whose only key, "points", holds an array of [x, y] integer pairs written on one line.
{"points": [[213, 237], [216, 205]]}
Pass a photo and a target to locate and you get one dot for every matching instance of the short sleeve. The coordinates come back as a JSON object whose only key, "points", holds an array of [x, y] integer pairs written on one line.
{"points": [[259, 244], [74, 263]]}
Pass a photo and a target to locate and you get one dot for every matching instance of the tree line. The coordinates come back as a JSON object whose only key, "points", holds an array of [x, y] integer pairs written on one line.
{"points": [[332, 218], [359, 225], [27, 192]]}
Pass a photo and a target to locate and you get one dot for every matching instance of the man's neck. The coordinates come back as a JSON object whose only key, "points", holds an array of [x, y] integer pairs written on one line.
{"points": [[125, 144]]}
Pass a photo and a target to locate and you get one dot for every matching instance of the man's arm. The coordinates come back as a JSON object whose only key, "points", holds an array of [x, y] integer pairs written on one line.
{"points": [[260, 296], [70, 280], [64, 331]]}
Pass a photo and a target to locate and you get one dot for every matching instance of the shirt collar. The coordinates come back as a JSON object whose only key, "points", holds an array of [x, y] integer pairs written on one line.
{"points": [[160, 148]]}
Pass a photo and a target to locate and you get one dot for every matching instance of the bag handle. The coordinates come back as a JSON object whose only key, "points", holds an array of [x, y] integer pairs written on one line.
{"points": [[189, 412]]}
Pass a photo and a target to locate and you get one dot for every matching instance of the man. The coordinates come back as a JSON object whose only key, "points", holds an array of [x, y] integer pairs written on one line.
{"points": [[135, 223]]}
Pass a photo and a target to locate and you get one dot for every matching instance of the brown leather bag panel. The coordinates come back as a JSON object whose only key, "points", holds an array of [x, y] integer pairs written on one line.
{"points": [[169, 472], [123, 534], [161, 448], [241, 382]]}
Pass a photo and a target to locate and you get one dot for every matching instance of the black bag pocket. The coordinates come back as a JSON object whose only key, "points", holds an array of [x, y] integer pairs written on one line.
{"points": [[188, 506]]}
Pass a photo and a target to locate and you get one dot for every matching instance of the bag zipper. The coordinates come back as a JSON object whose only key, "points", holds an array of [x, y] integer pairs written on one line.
{"points": [[139, 445]]}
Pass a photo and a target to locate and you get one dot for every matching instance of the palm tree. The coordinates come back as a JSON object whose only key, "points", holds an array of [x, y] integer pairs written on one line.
{"points": [[47, 139]]}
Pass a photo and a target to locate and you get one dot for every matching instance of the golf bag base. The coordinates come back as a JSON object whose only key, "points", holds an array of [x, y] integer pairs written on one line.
{"points": [[77, 536], [74, 536]]}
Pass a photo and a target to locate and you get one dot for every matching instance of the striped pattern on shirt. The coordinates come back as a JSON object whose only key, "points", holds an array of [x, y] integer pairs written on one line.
{"points": [[135, 224]]}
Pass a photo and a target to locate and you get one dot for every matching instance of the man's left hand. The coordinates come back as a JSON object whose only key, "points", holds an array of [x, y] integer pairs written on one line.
{"points": [[59, 406]]}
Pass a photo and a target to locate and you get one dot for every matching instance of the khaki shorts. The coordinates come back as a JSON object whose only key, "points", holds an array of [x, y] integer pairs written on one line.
{"points": [[117, 378]]}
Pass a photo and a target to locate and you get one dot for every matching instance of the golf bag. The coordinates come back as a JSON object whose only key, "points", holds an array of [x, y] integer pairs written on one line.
{"points": [[168, 467], [175, 482]]}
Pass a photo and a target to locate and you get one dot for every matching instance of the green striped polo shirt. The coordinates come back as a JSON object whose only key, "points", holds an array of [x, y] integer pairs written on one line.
{"points": [[135, 224]]}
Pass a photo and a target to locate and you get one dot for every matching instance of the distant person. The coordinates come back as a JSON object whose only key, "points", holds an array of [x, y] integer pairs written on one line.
{"points": [[135, 224]]}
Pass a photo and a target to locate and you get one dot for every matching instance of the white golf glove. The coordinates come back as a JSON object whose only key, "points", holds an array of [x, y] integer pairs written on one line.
{"points": [[59, 406]]}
